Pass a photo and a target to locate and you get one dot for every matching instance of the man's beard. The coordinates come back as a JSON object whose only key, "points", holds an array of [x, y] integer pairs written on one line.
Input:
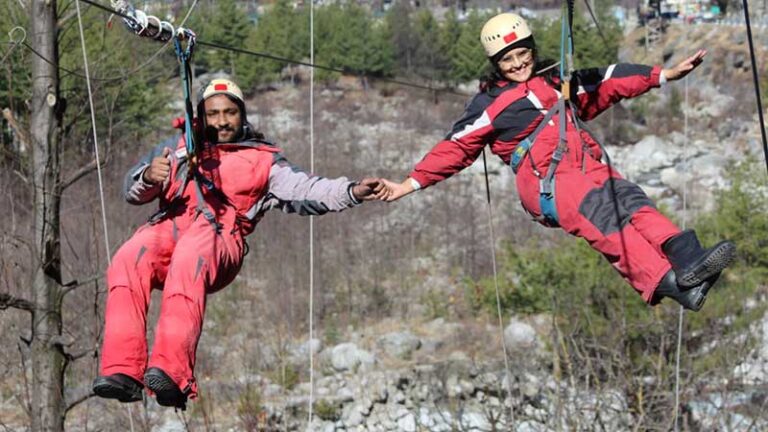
{"points": [[212, 134]]}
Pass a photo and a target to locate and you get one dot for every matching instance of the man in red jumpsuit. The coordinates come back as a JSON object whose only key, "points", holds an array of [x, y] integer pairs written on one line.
{"points": [[513, 114], [195, 244]]}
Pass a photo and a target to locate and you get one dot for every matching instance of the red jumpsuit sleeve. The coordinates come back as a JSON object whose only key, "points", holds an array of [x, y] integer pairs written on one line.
{"points": [[599, 88], [444, 160], [457, 151]]}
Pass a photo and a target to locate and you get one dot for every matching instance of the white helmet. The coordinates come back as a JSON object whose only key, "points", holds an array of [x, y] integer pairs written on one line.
{"points": [[502, 31], [221, 86]]}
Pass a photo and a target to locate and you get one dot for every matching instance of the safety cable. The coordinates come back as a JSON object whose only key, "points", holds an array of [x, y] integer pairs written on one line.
{"points": [[756, 80], [95, 136], [310, 64], [311, 217], [489, 205], [597, 24], [98, 162], [685, 222]]}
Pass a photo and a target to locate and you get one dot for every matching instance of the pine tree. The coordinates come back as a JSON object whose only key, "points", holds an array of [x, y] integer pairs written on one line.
{"points": [[404, 38], [429, 58], [468, 60], [280, 32], [229, 25], [378, 52], [449, 33]]}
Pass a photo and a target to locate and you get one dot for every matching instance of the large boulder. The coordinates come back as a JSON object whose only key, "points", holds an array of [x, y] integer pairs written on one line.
{"points": [[399, 344], [347, 357], [520, 336]]}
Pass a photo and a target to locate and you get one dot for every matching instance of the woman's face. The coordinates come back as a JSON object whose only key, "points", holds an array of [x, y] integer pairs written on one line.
{"points": [[517, 64]]}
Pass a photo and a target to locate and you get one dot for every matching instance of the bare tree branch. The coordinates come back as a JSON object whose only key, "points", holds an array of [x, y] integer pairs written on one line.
{"points": [[80, 173], [73, 285], [73, 401], [18, 130], [10, 301], [81, 354]]}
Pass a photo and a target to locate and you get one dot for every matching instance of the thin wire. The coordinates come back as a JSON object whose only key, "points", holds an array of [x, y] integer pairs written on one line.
{"points": [[95, 136], [597, 24], [685, 222], [329, 68], [311, 64], [157, 53], [756, 80], [311, 218], [508, 380], [96, 154], [117, 77]]}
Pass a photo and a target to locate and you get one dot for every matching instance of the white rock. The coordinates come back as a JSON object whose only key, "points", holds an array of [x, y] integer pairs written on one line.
{"points": [[352, 415], [475, 421], [520, 335], [399, 344], [348, 357], [407, 423]]}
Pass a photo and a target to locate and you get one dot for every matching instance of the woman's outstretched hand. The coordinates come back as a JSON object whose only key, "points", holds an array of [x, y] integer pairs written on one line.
{"points": [[685, 67], [390, 191]]}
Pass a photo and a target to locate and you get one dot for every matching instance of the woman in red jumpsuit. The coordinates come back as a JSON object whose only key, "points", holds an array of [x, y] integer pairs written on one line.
{"points": [[589, 199]]}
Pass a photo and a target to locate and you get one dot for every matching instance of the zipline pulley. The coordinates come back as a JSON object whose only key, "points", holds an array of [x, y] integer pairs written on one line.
{"points": [[149, 26]]}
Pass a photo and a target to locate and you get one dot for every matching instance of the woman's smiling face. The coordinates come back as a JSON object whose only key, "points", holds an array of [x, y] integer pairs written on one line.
{"points": [[517, 64]]}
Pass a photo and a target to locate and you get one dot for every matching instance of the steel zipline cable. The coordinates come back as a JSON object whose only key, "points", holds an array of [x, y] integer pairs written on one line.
{"points": [[292, 61]]}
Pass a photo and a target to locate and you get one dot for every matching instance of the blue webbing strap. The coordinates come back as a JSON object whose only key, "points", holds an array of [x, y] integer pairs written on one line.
{"points": [[184, 56]]}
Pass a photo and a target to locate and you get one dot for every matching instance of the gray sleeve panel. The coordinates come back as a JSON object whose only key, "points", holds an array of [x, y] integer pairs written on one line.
{"points": [[135, 190], [610, 215], [295, 191]]}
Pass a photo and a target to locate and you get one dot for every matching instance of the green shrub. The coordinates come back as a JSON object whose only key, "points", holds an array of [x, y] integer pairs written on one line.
{"points": [[327, 411], [250, 410]]}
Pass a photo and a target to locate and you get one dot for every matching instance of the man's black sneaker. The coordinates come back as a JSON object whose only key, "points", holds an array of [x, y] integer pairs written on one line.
{"points": [[166, 391], [118, 386]]}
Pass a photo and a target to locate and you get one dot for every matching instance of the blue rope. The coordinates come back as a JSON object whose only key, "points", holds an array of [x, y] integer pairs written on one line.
{"points": [[566, 41], [184, 56]]}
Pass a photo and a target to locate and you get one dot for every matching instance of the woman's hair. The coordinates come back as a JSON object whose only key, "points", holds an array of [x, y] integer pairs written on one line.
{"points": [[493, 74]]}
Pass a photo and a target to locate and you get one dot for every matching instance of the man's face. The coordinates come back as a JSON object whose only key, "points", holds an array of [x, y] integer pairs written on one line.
{"points": [[223, 115]]}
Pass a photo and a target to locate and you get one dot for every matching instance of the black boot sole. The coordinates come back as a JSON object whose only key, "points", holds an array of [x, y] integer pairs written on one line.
{"points": [[717, 259], [698, 295], [697, 298], [166, 391], [109, 388]]}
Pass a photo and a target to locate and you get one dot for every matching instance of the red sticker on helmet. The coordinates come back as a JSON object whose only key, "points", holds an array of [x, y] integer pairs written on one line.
{"points": [[222, 87], [510, 37]]}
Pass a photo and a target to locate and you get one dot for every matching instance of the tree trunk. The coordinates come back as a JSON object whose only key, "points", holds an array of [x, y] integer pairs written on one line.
{"points": [[47, 357]]}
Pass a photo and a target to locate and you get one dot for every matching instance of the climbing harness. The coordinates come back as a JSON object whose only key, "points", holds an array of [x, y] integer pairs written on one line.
{"points": [[562, 109], [184, 41]]}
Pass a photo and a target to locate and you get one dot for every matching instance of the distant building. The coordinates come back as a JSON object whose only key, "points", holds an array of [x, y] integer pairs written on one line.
{"points": [[690, 11]]}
